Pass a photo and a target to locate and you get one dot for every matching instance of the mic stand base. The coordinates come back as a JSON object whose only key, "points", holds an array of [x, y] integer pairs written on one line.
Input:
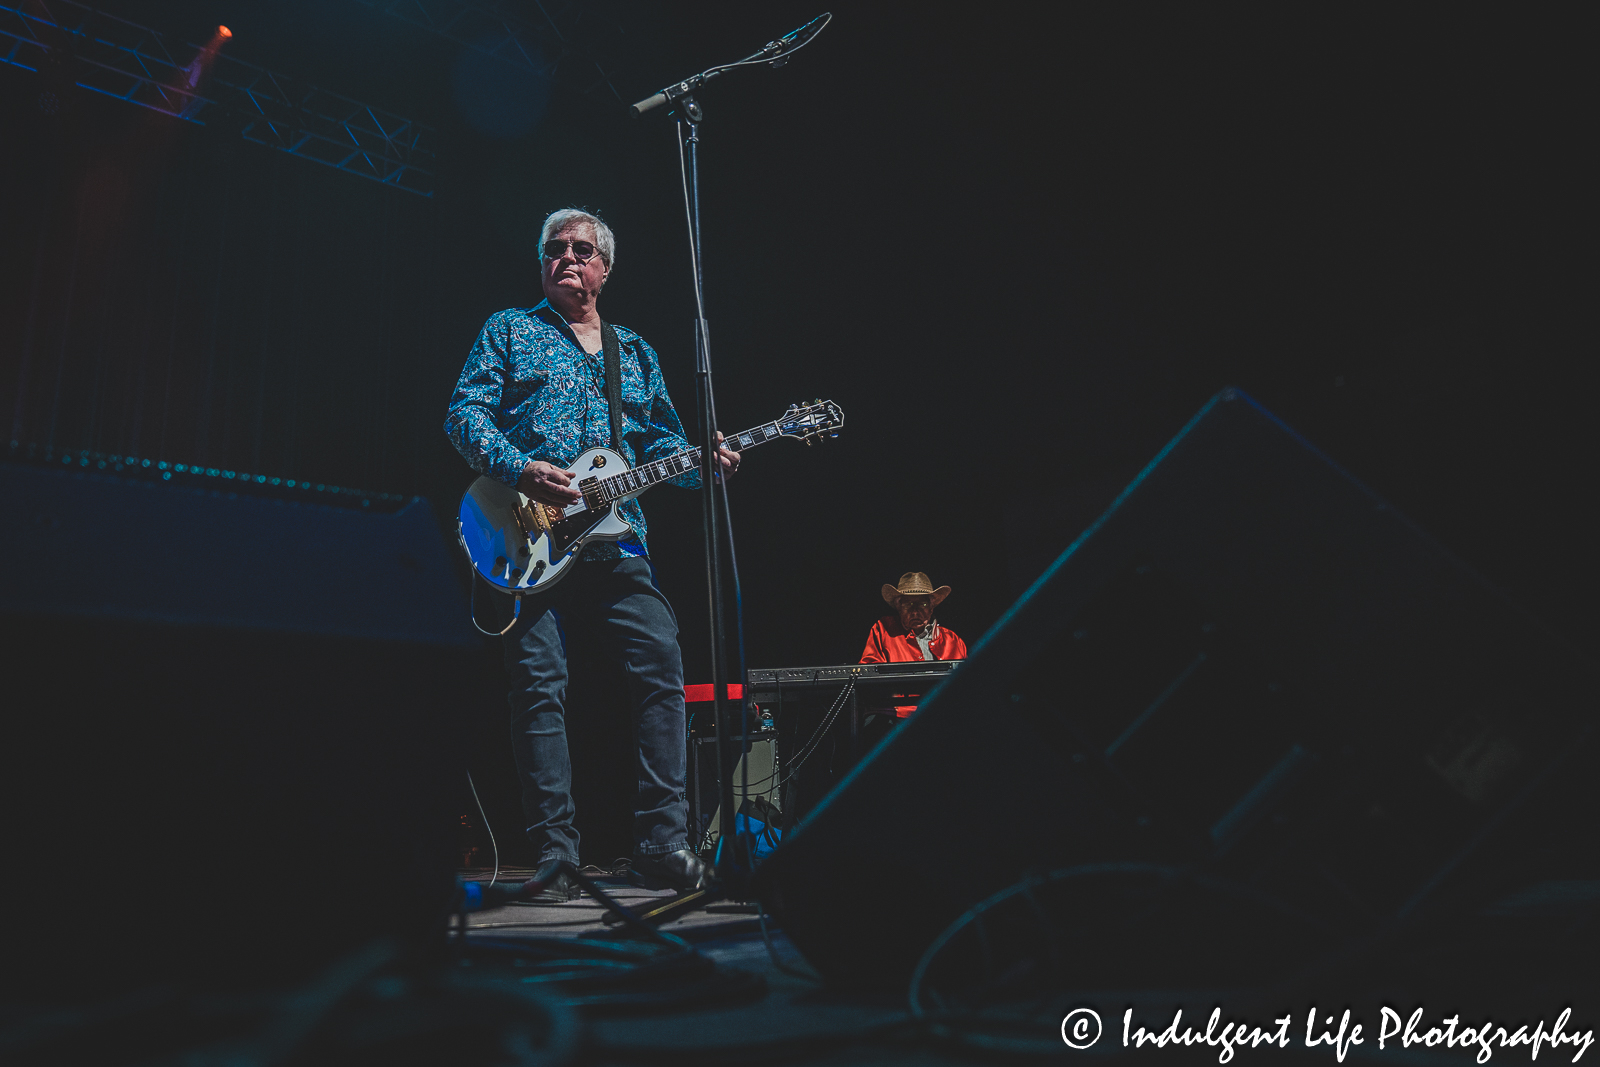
{"points": [[676, 908]]}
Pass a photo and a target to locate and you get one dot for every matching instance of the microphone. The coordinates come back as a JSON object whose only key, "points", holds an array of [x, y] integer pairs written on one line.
{"points": [[649, 103], [670, 95]]}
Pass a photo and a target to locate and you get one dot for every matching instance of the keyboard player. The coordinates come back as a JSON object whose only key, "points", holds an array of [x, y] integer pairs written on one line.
{"points": [[910, 634]]}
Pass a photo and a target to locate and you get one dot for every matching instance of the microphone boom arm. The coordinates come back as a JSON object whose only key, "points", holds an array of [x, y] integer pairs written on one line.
{"points": [[774, 53]]}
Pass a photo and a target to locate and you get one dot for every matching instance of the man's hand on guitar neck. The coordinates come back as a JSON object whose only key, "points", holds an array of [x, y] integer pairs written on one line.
{"points": [[547, 484], [727, 459]]}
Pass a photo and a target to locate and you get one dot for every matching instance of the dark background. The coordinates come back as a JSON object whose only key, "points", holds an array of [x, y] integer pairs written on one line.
{"points": [[1019, 245]]}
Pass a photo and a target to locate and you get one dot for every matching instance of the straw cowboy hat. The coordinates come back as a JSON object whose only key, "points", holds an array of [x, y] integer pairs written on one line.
{"points": [[914, 583]]}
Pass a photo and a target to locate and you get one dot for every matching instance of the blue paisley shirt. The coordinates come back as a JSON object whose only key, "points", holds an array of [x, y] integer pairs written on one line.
{"points": [[530, 392]]}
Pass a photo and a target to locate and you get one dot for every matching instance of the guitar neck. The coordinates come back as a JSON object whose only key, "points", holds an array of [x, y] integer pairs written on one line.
{"points": [[659, 470]]}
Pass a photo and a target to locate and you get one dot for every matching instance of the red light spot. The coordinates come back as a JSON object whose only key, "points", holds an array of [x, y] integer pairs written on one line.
{"points": [[223, 31]]}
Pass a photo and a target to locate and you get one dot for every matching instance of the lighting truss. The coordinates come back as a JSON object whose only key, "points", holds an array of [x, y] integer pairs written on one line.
{"points": [[145, 67]]}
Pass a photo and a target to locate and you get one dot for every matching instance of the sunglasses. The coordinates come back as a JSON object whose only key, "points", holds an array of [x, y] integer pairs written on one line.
{"points": [[582, 251]]}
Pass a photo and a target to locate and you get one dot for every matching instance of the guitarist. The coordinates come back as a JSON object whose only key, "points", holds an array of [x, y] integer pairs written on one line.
{"points": [[534, 394]]}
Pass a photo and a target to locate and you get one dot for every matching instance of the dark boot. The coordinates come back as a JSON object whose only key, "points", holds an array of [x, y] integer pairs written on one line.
{"points": [[681, 870], [562, 889]]}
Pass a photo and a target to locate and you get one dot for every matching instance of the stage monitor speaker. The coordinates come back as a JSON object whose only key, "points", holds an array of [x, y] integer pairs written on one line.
{"points": [[232, 726], [1250, 676]]}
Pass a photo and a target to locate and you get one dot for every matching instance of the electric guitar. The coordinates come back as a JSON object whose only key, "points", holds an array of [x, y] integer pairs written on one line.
{"points": [[521, 546]]}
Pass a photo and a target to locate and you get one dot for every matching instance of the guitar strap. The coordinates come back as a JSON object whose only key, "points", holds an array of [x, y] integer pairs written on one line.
{"points": [[612, 347]]}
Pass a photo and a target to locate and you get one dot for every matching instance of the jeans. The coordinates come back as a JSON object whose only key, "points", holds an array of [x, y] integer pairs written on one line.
{"points": [[616, 599]]}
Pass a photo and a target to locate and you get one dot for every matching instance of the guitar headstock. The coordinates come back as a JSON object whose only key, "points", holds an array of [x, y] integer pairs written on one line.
{"points": [[813, 421]]}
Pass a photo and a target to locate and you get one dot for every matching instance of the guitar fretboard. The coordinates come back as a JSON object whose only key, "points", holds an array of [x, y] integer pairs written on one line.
{"points": [[647, 474]]}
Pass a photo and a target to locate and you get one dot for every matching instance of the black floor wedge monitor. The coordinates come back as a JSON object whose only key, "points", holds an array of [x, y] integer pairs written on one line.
{"points": [[1248, 718]]}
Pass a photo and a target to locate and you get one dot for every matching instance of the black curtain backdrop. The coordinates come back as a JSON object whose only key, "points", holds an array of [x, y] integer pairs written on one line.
{"points": [[1019, 244]]}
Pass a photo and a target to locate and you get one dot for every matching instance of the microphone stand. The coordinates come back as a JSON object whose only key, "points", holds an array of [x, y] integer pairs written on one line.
{"points": [[731, 870]]}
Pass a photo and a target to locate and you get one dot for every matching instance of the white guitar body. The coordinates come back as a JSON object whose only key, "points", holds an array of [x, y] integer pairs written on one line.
{"points": [[520, 546], [494, 517]]}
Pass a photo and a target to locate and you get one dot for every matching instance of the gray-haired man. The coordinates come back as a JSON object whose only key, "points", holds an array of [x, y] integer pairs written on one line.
{"points": [[531, 398]]}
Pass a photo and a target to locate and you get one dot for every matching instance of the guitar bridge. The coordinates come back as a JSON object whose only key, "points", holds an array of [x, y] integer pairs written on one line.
{"points": [[536, 519]]}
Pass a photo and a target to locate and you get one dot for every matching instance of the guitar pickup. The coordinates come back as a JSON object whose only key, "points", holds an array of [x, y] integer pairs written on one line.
{"points": [[592, 498]]}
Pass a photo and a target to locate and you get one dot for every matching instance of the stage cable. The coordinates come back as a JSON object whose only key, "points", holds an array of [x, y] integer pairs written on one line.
{"points": [[738, 639], [472, 609], [772, 952], [694, 263], [766, 55], [809, 748], [688, 214], [493, 846]]}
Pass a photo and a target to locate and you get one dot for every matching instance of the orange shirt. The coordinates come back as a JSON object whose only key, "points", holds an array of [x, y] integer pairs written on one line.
{"points": [[888, 642]]}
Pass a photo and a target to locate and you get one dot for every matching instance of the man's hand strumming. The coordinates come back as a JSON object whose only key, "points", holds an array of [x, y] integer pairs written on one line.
{"points": [[547, 484]]}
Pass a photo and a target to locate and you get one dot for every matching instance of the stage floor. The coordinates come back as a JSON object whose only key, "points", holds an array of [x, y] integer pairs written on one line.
{"points": [[781, 1017], [573, 990], [793, 1020]]}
